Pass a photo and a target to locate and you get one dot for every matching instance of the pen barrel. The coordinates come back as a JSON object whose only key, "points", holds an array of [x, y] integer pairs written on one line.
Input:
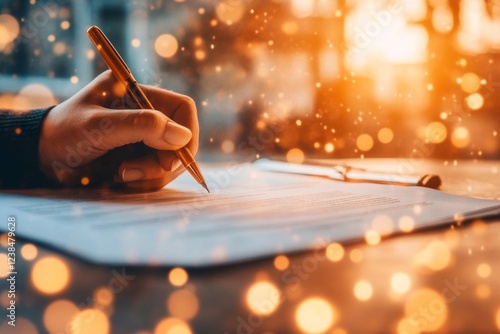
{"points": [[185, 156], [135, 91], [109, 54]]}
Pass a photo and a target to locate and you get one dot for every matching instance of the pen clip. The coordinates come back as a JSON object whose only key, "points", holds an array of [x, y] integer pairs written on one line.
{"points": [[109, 54], [343, 169]]}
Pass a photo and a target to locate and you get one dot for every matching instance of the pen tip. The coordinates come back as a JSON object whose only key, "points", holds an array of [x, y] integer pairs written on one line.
{"points": [[205, 186]]}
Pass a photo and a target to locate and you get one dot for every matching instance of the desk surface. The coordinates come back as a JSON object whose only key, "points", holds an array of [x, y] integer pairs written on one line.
{"points": [[444, 280]]}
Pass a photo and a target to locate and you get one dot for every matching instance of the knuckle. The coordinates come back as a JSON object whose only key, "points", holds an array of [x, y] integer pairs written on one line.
{"points": [[146, 119]]}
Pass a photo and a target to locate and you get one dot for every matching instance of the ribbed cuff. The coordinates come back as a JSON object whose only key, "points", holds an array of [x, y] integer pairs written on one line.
{"points": [[20, 135]]}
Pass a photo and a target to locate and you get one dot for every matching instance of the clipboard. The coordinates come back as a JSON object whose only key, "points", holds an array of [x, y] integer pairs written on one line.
{"points": [[347, 173]]}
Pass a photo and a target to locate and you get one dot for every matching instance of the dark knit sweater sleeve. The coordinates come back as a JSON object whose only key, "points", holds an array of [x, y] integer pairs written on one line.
{"points": [[19, 137]]}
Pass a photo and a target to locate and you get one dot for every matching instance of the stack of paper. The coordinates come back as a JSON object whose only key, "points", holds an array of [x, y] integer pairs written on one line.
{"points": [[249, 214]]}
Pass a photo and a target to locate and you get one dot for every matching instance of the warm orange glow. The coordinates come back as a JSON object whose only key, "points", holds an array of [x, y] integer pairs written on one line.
{"points": [[172, 326], [470, 83], [475, 101], [227, 146], [178, 276], [442, 19], [363, 290], [50, 275], [58, 315], [315, 315], [23, 326], [400, 283], [372, 237], [460, 137], [90, 321], [135, 42], [364, 142], [4, 37], [65, 25], [200, 55], [230, 12], [383, 225], [34, 96], [281, 262], [497, 319], [329, 148], [385, 135], [483, 291], [4, 240], [9, 29], [166, 45], [406, 224], [484, 270], [407, 45], [29, 252], [263, 298], [295, 155], [335, 252], [59, 48], [436, 132], [433, 304], [356, 255], [85, 181], [290, 27], [436, 256], [183, 304], [103, 296], [4, 268], [302, 8]]}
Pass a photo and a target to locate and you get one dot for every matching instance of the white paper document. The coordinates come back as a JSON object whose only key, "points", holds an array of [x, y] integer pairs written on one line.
{"points": [[249, 214]]}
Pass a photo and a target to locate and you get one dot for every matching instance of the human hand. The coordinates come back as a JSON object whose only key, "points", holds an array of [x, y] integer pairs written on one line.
{"points": [[88, 136]]}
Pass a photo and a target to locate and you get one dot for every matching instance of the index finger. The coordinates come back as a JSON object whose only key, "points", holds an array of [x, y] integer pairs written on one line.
{"points": [[178, 107]]}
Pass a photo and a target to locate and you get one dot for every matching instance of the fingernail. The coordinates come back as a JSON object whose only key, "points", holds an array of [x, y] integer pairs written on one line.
{"points": [[176, 134], [132, 174], [175, 164]]}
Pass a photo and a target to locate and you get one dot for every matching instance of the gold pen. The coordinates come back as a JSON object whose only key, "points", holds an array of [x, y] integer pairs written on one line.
{"points": [[124, 75]]}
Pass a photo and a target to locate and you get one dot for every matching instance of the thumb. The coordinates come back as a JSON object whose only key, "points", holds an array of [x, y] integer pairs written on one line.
{"points": [[150, 126]]}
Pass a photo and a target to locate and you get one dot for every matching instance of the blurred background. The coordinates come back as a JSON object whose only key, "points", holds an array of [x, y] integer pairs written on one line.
{"points": [[293, 78]]}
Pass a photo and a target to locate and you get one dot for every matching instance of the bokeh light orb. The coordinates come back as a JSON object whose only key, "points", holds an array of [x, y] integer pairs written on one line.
{"points": [[460, 137], [29, 252], [50, 275], [172, 326], [400, 282], [183, 304], [433, 304], [230, 12], [364, 142], [475, 101], [363, 290], [315, 315], [436, 132], [263, 298], [166, 45], [58, 315], [335, 252], [178, 276], [90, 321]]}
